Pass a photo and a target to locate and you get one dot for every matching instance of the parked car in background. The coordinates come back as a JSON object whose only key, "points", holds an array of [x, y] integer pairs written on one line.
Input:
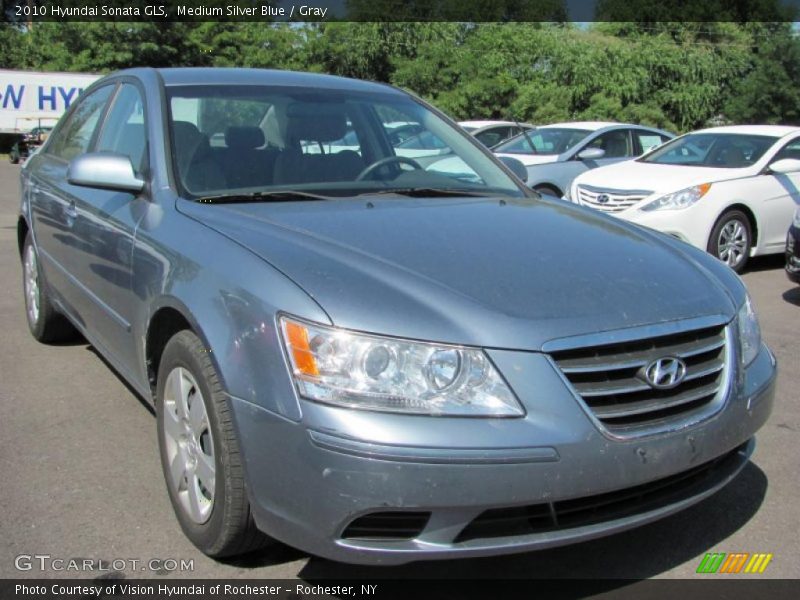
{"points": [[366, 359], [793, 249], [555, 154], [28, 143], [491, 133], [729, 190]]}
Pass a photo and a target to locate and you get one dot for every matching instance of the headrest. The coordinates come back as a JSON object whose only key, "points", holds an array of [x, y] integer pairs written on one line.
{"points": [[188, 140], [244, 138], [316, 121]]}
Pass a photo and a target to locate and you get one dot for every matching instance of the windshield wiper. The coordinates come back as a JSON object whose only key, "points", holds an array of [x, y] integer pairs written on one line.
{"points": [[427, 192], [272, 196]]}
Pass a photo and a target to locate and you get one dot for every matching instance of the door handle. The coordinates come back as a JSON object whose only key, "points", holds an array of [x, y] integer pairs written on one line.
{"points": [[71, 212]]}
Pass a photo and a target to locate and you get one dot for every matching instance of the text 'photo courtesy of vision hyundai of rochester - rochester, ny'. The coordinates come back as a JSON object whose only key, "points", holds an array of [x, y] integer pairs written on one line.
{"points": [[360, 354]]}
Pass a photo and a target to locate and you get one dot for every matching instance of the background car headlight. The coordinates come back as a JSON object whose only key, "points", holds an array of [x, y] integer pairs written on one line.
{"points": [[678, 200], [749, 332], [796, 220], [355, 370]]}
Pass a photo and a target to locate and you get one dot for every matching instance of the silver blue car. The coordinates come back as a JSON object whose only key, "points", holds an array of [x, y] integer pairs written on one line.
{"points": [[366, 359]]}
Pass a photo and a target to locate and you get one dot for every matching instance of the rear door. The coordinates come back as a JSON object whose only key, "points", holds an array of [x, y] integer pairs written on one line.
{"points": [[54, 203]]}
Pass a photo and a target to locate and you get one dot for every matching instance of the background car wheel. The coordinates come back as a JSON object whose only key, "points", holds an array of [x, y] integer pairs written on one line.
{"points": [[200, 454], [47, 325], [731, 239], [547, 190]]}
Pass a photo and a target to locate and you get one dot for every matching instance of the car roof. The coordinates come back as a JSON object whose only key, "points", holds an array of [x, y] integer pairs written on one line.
{"points": [[775, 131], [590, 125], [241, 76], [481, 124]]}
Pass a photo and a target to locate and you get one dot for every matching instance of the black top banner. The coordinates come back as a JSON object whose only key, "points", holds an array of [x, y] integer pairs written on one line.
{"points": [[26, 12]]}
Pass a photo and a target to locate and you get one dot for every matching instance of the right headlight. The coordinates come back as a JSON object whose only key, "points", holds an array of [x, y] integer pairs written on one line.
{"points": [[361, 371], [749, 332], [677, 200]]}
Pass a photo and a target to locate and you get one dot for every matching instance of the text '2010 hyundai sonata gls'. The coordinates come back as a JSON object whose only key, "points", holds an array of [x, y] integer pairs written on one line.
{"points": [[371, 360]]}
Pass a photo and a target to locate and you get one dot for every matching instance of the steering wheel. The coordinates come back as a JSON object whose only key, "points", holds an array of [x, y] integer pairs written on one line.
{"points": [[386, 161]]}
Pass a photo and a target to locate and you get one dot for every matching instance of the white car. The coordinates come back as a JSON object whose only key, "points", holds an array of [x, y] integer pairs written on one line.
{"points": [[555, 154], [729, 190]]}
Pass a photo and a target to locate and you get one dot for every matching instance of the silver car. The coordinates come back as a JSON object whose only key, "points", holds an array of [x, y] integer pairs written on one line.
{"points": [[368, 360], [556, 154]]}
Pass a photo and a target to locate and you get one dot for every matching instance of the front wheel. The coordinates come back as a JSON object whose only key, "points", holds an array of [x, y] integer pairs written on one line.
{"points": [[200, 454], [731, 239]]}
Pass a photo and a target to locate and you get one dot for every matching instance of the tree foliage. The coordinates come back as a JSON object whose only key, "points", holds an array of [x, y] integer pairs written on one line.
{"points": [[676, 75]]}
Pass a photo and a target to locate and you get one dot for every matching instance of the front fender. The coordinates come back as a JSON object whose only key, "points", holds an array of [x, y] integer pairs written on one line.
{"points": [[228, 295]]}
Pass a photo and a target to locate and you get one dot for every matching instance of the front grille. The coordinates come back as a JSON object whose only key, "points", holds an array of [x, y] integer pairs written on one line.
{"points": [[610, 200], [387, 526], [590, 510], [609, 378]]}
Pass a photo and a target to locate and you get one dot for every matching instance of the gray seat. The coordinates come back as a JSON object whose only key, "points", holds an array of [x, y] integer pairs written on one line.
{"points": [[197, 168], [244, 164], [317, 123]]}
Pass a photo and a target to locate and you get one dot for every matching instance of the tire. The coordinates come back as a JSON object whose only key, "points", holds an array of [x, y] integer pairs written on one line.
{"points": [[206, 484], [46, 324], [731, 239], [547, 190]]}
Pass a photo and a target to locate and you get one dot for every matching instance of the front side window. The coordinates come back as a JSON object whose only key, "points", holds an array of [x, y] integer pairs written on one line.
{"points": [[247, 139], [123, 131], [718, 150], [790, 150], [615, 144], [543, 140], [74, 137]]}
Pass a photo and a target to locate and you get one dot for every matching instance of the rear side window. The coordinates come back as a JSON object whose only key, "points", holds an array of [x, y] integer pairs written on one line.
{"points": [[648, 141], [123, 131], [75, 136]]}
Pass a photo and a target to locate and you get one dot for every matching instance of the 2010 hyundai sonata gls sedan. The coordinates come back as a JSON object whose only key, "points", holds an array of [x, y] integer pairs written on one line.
{"points": [[367, 359]]}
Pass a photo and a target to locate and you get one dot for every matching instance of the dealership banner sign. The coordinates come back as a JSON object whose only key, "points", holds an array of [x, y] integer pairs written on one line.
{"points": [[31, 99]]}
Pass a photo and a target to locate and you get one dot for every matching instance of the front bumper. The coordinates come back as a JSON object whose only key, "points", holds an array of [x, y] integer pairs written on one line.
{"points": [[793, 254], [311, 482]]}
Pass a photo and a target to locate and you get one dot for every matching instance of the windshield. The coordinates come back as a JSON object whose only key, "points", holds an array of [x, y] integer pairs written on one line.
{"points": [[239, 140], [720, 150], [550, 140]]}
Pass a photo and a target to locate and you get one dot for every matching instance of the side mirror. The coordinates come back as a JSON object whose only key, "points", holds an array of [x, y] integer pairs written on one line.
{"points": [[104, 170], [591, 154], [786, 165], [516, 166]]}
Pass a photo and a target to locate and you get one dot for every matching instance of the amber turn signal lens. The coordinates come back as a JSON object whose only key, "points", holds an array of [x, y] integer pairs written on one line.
{"points": [[297, 338]]}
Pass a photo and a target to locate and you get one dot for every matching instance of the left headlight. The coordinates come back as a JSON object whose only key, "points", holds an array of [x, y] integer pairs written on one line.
{"points": [[749, 332], [361, 371], [677, 200]]}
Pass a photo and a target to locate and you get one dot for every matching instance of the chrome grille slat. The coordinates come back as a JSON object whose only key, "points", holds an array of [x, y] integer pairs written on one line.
{"points": [[609, 377], [653, 405], [617, 200]]}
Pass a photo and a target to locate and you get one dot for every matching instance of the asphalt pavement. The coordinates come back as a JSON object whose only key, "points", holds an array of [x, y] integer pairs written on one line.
{"points": [[80, 476]]}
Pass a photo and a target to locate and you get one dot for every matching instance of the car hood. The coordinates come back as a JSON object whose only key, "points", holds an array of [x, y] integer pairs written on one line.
{"points": [[635, 175], [472, 271], [529, 160]]}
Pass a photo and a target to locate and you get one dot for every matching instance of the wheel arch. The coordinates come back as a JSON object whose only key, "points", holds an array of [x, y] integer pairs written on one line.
{"points": [[168, 318], [22, 233], [552, 186], [749, 214]]}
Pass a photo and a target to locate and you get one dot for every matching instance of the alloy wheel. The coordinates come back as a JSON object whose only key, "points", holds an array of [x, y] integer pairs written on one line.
{"points": [[189, 445], [732, 243], [31, 285]]}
